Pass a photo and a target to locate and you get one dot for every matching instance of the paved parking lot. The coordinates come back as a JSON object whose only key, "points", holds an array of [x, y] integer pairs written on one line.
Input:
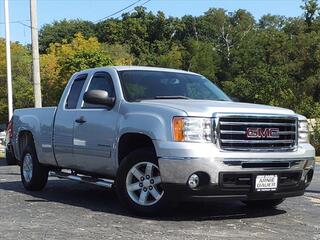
{"points": [[71, 210]]}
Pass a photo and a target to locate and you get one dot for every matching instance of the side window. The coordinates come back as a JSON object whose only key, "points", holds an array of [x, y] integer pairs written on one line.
{"points": [[101, 81], [75, 91]]}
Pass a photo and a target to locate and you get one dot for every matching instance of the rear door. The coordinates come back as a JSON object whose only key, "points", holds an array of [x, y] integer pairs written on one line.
{"points": [[64, 122], [95, 130]]}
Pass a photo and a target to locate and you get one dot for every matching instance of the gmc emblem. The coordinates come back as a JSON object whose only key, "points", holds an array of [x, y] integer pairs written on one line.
{"points": [[263, 133]]}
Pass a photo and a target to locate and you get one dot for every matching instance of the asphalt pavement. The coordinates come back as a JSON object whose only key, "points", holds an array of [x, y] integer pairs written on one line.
{"points": [[71, 210]]}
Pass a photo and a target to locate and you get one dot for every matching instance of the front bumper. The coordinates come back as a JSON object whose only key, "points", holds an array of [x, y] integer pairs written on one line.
{"points": [[180, 160], [287, 187]]}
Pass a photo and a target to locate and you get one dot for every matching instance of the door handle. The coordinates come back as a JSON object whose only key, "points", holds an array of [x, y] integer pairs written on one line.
{"points": [[80, 120]]}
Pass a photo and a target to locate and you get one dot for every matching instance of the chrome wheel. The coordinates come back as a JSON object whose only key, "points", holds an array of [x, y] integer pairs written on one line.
{"points": [[143, 184], [27, 167]]}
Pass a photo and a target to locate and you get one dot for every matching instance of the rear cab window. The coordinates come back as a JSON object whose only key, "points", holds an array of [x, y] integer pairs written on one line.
{"points": [[75, 92]]}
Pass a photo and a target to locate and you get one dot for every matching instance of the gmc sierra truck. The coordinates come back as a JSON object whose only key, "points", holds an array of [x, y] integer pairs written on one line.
{"points": [[159, 136]]}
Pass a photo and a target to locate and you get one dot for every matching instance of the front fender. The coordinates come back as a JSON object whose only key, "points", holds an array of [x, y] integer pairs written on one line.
{"points": [[149, 124], [152, 120]]}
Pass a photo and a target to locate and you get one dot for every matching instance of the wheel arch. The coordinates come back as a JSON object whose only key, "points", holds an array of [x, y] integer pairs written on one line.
{"points": [[128, 142], [25, 138]]}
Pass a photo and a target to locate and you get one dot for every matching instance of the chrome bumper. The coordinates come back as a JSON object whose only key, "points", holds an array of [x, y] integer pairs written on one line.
{"points": [[177, 161], [178, 170]]}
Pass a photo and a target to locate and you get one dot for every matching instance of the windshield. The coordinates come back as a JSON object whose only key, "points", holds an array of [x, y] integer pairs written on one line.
{"points": [[140, 85]]}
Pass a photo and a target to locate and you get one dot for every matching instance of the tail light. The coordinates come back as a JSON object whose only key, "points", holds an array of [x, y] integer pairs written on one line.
{"points": [[10, 129]]}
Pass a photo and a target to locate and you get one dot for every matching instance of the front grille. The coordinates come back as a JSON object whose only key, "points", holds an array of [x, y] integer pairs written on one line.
{"points": [[265, 165], [256, 133], [246, 180]]}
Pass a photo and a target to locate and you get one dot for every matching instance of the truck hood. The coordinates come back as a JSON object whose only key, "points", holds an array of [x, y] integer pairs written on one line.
{"points": [[205, 108]]}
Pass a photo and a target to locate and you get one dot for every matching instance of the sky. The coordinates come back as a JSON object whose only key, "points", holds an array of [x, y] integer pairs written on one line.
{"points": [[93, 10]]}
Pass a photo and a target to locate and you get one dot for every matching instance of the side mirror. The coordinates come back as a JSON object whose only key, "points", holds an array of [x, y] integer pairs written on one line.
{"points": [[99, 97]]}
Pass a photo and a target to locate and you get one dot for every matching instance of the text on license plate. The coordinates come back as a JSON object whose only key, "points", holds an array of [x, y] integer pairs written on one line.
{"points": [[266, 182]]}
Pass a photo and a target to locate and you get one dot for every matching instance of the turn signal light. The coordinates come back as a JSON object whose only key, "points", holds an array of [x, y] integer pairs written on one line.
{"points": [[178, 125]]}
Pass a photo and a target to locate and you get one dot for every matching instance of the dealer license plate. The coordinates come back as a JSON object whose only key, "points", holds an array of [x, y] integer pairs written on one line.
{"points": [[265, 183]]}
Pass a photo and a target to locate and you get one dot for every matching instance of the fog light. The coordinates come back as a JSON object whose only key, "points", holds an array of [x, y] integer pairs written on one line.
{"points": [[193, 181]]}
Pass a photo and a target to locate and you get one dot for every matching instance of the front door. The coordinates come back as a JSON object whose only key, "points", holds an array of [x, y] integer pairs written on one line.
{"points": [[95, 130]]}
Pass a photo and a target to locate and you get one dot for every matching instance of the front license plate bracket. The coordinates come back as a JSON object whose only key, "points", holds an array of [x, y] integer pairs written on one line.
{"points": [[266, 183]]}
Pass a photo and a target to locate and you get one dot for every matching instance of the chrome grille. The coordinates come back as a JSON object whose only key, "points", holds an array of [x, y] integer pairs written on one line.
{"points": [[256, 133]]}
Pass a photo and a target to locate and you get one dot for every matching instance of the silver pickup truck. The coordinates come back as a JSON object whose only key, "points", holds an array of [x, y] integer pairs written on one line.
{"points": [[160, 136]]}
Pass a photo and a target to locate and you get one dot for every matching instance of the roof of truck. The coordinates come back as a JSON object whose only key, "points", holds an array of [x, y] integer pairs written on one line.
{"points": [[141, 68]]}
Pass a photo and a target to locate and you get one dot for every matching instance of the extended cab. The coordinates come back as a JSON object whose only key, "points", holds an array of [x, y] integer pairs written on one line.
{"points": [[161, 135]]}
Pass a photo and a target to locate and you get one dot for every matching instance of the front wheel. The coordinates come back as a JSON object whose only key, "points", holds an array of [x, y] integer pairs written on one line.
{"points": [[139, 185], [34, 176], [264, 203]]}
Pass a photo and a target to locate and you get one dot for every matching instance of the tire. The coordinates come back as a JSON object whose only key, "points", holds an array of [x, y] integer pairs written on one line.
{"points": [[146, 196], [34, 176], [270, 203], [10, 159]]}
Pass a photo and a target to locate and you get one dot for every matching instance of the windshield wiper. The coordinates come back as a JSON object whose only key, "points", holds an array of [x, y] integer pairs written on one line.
{"points": [[171, 97]]}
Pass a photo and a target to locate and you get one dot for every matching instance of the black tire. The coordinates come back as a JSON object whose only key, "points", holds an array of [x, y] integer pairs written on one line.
{"points": [[269, 203], [10, 159], [134, 158], [39, 176]]}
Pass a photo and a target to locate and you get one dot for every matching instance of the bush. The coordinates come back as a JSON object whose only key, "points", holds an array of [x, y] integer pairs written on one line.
{"points": [[315, 135]]}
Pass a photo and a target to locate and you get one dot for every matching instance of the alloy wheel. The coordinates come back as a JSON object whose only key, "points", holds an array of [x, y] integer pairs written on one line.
{"points": [[143, 184]]}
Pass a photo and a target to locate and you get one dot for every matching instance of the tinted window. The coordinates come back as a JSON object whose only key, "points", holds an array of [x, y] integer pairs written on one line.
{"points": [[75, 91], [101, 81], [139, 85]]}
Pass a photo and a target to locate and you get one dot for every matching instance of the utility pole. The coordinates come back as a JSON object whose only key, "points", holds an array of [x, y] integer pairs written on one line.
{"points": [[35, 54], [8, 56]]}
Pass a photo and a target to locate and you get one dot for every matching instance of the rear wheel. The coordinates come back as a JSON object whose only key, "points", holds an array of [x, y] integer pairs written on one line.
{"points": [[139, 185], [34, 176], [264, 203]]}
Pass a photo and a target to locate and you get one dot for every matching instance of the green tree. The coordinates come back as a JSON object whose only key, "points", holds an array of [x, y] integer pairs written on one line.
{"points": [[310, 8], [272, 21], [64, 31], [274, 60], [173, 58], [204, 59], [21, 79], [62, 60]]}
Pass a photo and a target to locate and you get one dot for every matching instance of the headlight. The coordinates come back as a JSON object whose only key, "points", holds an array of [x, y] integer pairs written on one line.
{"points": [[303, 131], [191, 129]]}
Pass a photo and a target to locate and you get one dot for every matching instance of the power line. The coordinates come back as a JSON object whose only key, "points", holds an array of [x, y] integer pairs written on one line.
{"points": [[17, 21], [21, 23], [111, 15], [115, 13], [140, 5]]}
